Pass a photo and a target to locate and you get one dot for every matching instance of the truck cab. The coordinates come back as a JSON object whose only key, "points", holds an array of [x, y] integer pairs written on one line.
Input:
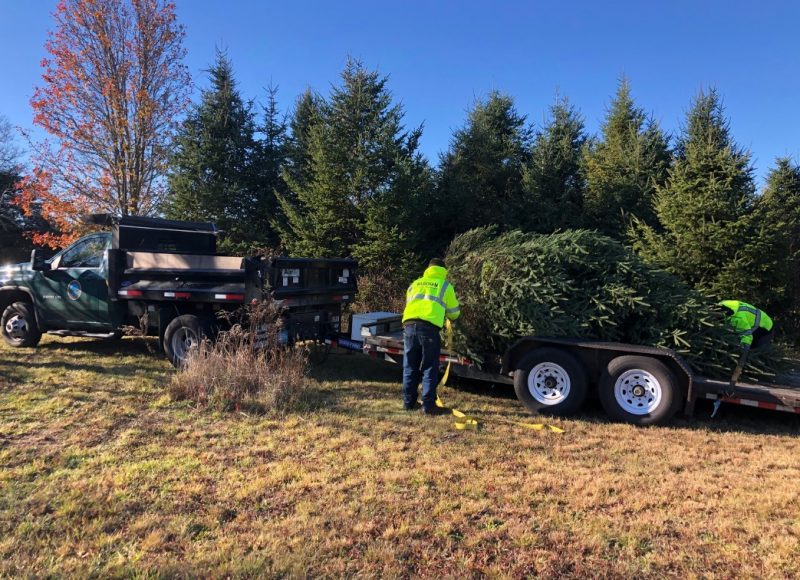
{"points": [[71, 289]]}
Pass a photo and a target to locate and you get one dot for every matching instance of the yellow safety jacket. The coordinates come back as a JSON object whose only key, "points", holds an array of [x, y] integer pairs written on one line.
{"points": [[431, 298], [746, 319]]}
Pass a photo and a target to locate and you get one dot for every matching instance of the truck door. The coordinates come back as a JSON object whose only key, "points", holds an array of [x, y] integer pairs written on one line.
{"points": [[74, 293]]}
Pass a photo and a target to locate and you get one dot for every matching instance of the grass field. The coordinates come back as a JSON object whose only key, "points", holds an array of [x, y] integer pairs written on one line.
{"points": [[101, 473]]}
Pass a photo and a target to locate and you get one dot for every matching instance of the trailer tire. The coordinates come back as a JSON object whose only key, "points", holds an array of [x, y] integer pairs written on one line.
{"points": [[19, 327], [551, 381], [181, 334], [639, 390]]}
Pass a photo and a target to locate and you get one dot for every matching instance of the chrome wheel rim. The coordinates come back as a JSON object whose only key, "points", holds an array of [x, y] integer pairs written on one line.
{"points": [[183, 341], [17, 328], [549, 383], [638, 392]]}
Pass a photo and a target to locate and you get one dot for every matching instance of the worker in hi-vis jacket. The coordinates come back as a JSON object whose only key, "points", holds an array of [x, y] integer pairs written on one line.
{"points": [[754, 326], [430, 301]]}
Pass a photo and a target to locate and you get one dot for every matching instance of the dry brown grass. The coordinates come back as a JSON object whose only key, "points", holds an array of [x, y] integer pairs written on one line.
{"points": [[102, 473], [246, 367]]}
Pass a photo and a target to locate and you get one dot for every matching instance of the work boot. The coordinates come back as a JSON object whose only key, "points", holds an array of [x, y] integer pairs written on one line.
{"points": [[411, 406], [434, 411]]}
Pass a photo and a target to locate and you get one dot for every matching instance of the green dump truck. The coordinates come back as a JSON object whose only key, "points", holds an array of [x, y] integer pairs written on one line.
{"points": [[165, 277]]}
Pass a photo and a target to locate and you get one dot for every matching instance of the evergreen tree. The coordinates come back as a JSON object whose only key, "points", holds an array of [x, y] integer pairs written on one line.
{"points": [[775, 246], [308, 112], [214, 167], [552, 180], [11, 217], [704, 207], [362, 175], [624, 167], [15, 226], [270, 156], [480, 180], [13, 245]]}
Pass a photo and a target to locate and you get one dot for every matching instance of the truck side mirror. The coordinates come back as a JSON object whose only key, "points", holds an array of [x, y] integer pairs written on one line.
{"points": [[38, 262]]}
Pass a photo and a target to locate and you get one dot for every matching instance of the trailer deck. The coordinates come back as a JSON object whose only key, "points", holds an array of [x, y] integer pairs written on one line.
{"points": [[772, 397]]}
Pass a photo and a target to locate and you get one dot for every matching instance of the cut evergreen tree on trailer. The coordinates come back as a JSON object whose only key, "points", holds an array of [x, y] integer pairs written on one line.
{"points": [[583, 284]]}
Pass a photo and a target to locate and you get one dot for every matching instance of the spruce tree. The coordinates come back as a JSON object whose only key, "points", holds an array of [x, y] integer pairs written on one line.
{"points": [[624, 167], [704, 207], [308, 111], [269, 159], [214, 174], [480, 180], [775, 246], [552, 180], [355, 174]]}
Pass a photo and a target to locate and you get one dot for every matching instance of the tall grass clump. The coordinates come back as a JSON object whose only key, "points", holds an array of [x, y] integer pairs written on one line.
{"points": [[246, 367]]}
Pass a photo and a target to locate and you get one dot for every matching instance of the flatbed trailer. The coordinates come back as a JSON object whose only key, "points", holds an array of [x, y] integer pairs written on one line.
{"points": [[636, 384]]}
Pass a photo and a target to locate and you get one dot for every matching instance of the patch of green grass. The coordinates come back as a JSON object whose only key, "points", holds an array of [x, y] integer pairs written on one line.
{"points": [[101, 473]]}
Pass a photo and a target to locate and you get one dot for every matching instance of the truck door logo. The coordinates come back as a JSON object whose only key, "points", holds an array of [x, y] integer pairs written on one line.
{"points": [[74, 290]]}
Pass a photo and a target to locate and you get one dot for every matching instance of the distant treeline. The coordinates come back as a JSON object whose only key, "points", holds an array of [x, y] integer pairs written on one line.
{"points": [[342, 175]]}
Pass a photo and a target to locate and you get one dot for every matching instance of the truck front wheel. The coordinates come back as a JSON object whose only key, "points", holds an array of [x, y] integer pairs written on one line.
{"points": [[19, 325], [639, 390], [551, 380], [182, 334]]}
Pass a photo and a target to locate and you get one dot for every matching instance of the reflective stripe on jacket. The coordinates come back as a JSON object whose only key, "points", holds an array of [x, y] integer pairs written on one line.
{"points": [[431, 298], [746, 319]]}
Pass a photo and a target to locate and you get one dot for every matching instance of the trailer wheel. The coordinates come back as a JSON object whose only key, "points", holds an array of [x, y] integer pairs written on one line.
{"points": [[19, 326], [550, 380], [182, 334], [639, 390]]}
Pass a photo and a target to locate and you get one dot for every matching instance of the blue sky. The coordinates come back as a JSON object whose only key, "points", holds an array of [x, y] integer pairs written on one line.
{"points": [[442, 55]]}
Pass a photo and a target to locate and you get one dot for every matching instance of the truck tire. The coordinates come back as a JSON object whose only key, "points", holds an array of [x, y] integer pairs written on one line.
{"points": [[19, 326], [552, 381], [181, 334], [639, 390]]}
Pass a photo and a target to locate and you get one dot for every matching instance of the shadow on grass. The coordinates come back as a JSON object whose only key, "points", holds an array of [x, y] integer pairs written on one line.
{"points": [[339, 399], [98, 346], [740, 419], [731, 419], [122, 370], [352, 366]]}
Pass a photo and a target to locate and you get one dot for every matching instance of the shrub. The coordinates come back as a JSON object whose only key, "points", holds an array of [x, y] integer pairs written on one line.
{"points": [[246, 367]]}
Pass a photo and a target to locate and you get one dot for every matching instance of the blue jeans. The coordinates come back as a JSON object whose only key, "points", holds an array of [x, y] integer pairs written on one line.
{"points": [[422, 345]]}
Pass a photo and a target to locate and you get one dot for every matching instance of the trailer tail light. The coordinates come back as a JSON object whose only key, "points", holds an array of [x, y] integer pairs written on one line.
{"points": [[131, 293], [239, 297], [183, 295], [341, 298]]}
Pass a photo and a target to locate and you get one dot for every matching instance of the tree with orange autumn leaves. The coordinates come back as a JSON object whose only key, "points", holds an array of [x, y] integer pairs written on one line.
{"points": [[114, 85]]}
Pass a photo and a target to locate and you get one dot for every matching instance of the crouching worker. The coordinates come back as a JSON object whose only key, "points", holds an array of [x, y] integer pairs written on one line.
{"points": [[429, 301], [754, 326]]}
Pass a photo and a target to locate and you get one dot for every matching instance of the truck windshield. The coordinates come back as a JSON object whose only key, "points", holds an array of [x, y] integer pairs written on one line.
{"points": [[86, 253]]}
